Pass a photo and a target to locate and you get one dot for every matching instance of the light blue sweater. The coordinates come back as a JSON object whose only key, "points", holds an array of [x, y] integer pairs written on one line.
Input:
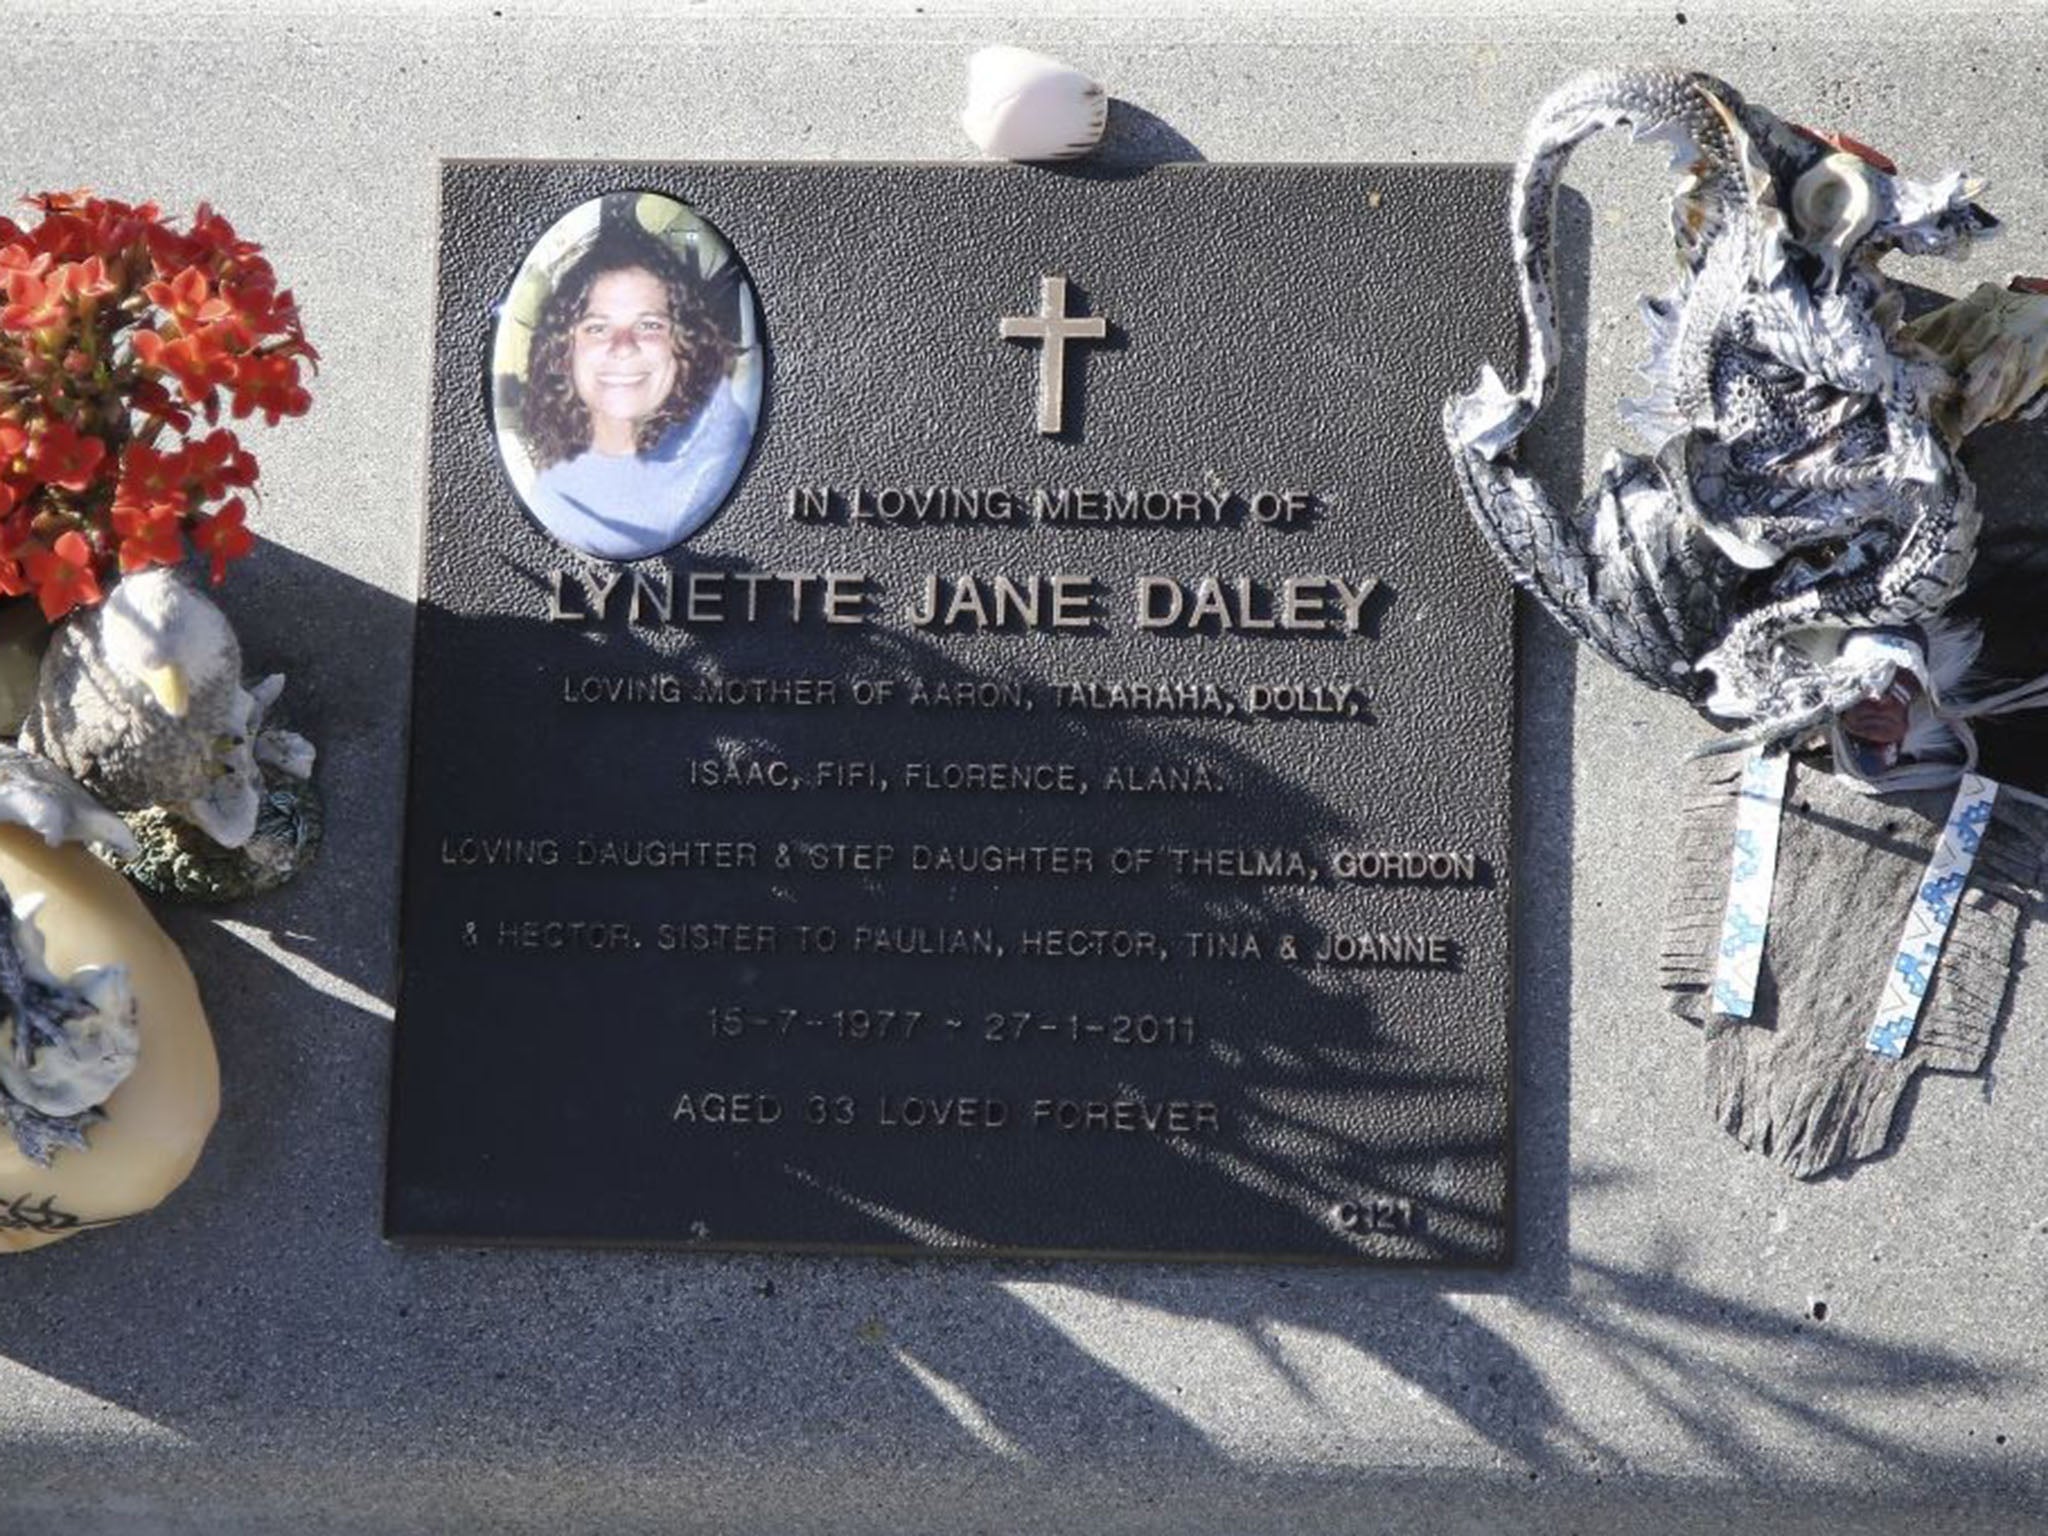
{"points": [[627, 506]]}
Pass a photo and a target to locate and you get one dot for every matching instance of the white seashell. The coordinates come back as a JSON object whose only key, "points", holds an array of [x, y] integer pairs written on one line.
{"points": [[1024, 106]]}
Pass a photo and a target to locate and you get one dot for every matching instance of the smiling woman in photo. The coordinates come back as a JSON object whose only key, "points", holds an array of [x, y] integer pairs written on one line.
{"points": [[630, 416]]}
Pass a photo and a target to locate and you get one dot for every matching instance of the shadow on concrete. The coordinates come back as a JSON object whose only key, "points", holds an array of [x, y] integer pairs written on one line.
{"points": [[2009, 464], [1134, 137], [345, 647]]}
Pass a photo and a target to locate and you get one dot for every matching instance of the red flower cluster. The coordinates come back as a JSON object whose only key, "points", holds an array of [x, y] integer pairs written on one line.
{"points": [[120, 340]]}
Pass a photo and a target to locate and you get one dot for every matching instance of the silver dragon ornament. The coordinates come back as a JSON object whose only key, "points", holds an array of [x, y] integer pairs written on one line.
{"points": [[1801, 487]]}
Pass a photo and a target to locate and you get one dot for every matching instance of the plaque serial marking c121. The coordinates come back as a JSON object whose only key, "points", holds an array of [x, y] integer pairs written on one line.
{"points": [[845, 816]]}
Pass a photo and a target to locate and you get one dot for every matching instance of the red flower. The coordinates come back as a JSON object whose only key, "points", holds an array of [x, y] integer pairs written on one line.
{"points": [[84, 280], [154, 402], [199, 362], [150, 478], [222, 538], [189, 299], [148, 537], [170, 252], [270, 384], [215, 234], [216, 462], [13, 581], [151, 491], [33, 304], [63, 575], [63, 457], [265, 308]]}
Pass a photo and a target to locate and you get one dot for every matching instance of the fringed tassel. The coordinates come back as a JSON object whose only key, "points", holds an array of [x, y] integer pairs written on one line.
{"points": [[1809, 1122]]}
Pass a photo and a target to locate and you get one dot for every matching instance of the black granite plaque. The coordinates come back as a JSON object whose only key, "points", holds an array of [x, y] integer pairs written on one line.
{"points": [[1022, 819]]}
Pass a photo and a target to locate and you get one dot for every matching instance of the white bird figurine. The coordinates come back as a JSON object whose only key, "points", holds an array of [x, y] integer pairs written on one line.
{"points": [[141, 700]]}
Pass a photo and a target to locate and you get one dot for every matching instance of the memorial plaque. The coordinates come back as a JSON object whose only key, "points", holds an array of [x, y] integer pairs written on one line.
{"points": [[1050, 794]]}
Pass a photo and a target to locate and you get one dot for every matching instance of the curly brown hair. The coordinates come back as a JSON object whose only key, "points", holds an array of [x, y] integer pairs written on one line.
{"points": [[552, 419]]}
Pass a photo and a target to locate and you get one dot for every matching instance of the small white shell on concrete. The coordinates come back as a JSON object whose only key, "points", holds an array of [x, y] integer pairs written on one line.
{"points": [[1024, 106]]}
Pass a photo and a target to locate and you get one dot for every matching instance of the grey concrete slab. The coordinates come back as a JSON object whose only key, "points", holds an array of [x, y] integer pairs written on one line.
{"points": [[252, 1358]]}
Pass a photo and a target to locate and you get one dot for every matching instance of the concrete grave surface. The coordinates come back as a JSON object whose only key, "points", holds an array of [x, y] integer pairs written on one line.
{"points": [[1687, 1338]]}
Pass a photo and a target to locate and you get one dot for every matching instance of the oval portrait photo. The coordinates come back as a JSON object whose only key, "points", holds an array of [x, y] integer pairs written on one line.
{"points": [[626, 375]]}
